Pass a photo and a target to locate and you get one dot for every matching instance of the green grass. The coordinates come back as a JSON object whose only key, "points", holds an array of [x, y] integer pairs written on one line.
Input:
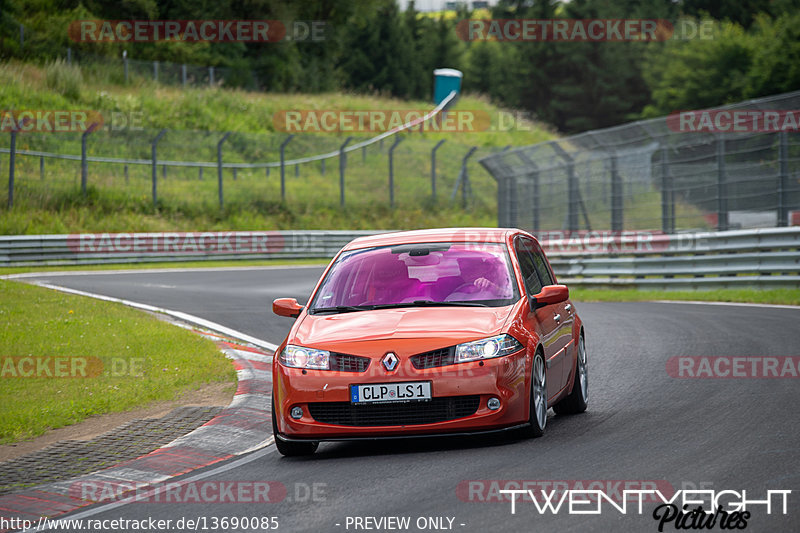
{"points": [[765, 296], [166, 264], [195, 117], [40, 323]]}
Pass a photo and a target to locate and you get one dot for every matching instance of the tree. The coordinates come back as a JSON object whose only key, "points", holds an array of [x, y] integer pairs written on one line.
{"points": [[697, 74], [379, 54], [775, 56]]}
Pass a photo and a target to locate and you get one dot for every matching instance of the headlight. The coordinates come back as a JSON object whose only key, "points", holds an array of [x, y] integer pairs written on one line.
{"points": [[487, 348], [300, 357]]}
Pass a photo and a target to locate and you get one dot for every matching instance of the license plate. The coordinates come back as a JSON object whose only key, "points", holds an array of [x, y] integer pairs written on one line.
{"points": [[391, 392]]}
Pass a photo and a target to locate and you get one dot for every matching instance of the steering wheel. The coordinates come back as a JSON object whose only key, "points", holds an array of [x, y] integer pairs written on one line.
{"points": [[466, 288]]}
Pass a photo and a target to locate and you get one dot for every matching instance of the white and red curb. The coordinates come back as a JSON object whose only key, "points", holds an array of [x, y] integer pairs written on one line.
{"points": [[245, 425]]}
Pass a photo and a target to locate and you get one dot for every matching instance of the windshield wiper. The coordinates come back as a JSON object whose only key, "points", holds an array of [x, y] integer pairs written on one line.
{"points": [[429, 303], [341, 309]]}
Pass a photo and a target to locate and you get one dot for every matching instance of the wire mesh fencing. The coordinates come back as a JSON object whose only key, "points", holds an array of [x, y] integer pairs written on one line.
{"points": [[736, 166], [197, 170]]}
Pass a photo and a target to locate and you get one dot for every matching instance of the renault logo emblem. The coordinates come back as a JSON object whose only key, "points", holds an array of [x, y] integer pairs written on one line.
{"points": [[390, 361]]}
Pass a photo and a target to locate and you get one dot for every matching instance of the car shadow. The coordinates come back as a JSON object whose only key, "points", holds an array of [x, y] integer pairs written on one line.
{"points": [[425, 444]]}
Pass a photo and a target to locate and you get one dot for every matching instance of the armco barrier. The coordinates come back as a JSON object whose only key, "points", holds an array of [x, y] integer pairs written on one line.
{"points": [[111, 248], [764, 258]]}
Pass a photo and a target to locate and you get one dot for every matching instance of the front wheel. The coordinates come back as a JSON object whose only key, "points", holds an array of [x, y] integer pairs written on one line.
{"points": [[538, 408], [579, 397], [287, 448]]}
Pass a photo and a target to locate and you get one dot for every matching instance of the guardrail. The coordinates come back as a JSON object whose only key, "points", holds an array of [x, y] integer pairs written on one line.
{"points": [[767, 258], [764, 258]]}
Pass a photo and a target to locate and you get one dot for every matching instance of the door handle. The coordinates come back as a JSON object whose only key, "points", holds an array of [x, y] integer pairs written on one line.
{"points": [[557, 318], [568, 308]]}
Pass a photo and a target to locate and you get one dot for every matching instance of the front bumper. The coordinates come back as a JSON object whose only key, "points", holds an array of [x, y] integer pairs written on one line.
{"points": [[503, 378]]}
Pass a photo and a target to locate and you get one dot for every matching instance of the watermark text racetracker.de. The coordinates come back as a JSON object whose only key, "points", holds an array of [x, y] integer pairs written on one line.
{"points": [[393, 120], [192, 31], [29, 366], [578, 30], [733, 367], [68, 120], [584, 30], [49, 120], [735, 121], [608, 241], [240, 242], [204, 492]]}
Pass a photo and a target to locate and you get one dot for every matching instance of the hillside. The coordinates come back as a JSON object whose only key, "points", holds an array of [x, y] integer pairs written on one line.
{"points": [[195, 119]]}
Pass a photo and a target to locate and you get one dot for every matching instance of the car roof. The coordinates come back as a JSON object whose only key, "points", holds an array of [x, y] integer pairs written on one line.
{"points": [[497, 235]]}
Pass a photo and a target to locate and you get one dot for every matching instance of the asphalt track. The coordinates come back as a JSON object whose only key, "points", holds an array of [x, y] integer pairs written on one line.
{"points": [[642, 424]]}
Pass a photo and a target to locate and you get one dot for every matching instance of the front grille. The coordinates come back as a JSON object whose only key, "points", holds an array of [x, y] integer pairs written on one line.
{"points": [[394, 414], [348, 363], [445, 356]]}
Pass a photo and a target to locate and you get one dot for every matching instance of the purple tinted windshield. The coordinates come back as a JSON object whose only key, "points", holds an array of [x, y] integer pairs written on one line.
{"points": [[437, 272]]}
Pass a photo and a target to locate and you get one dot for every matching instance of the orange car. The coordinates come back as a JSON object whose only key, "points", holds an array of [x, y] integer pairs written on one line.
{"points": [[431, 332]]}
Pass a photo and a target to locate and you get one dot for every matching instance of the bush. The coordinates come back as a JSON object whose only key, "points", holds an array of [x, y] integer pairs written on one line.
{"points": [[64, 79]]}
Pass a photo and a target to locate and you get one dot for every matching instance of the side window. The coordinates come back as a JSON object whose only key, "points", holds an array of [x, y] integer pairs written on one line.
{"points": [[541, 266], [527, 266]]}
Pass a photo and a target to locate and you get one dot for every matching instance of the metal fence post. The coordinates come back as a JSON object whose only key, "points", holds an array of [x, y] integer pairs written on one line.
{"points": [[219, 166], [200, 174], [235, 173], [397, 141], [617, 204], [84, 160], [342, 167], [322, 166], [126, 174], [283, 166], [211, 76], [155, 70], [533, 174], [463, 179], [498, 169], [164, 171], [21, 36], [664, 195], [572, 188], [722, 186], [41, 168], [433, 168], [12, 153], [125, 64], [154, 159], [783, 179], [572, 197], [297, 171], [183, 75]]}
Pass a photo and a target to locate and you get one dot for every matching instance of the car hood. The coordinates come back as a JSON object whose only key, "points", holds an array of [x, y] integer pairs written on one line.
{"points": [[438, 324]]}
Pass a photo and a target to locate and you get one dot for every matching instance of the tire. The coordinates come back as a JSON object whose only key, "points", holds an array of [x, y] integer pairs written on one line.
{"points": [[538, 399], [288, 448], [577, 400]]}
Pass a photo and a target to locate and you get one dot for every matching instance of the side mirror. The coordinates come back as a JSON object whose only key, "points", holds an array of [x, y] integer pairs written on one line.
{"points": [[551, 294], [287, 307]]}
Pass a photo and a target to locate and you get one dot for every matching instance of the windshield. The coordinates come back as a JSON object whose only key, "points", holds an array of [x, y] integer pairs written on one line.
{"points": [[419, 274]]}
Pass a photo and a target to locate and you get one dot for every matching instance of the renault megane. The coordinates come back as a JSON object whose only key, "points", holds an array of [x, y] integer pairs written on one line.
{"points": [[430, 332]]}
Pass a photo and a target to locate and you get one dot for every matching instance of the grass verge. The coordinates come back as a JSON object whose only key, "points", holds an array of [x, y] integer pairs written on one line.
{"points": [[4, 271], [129, 359], [768, 296]]}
